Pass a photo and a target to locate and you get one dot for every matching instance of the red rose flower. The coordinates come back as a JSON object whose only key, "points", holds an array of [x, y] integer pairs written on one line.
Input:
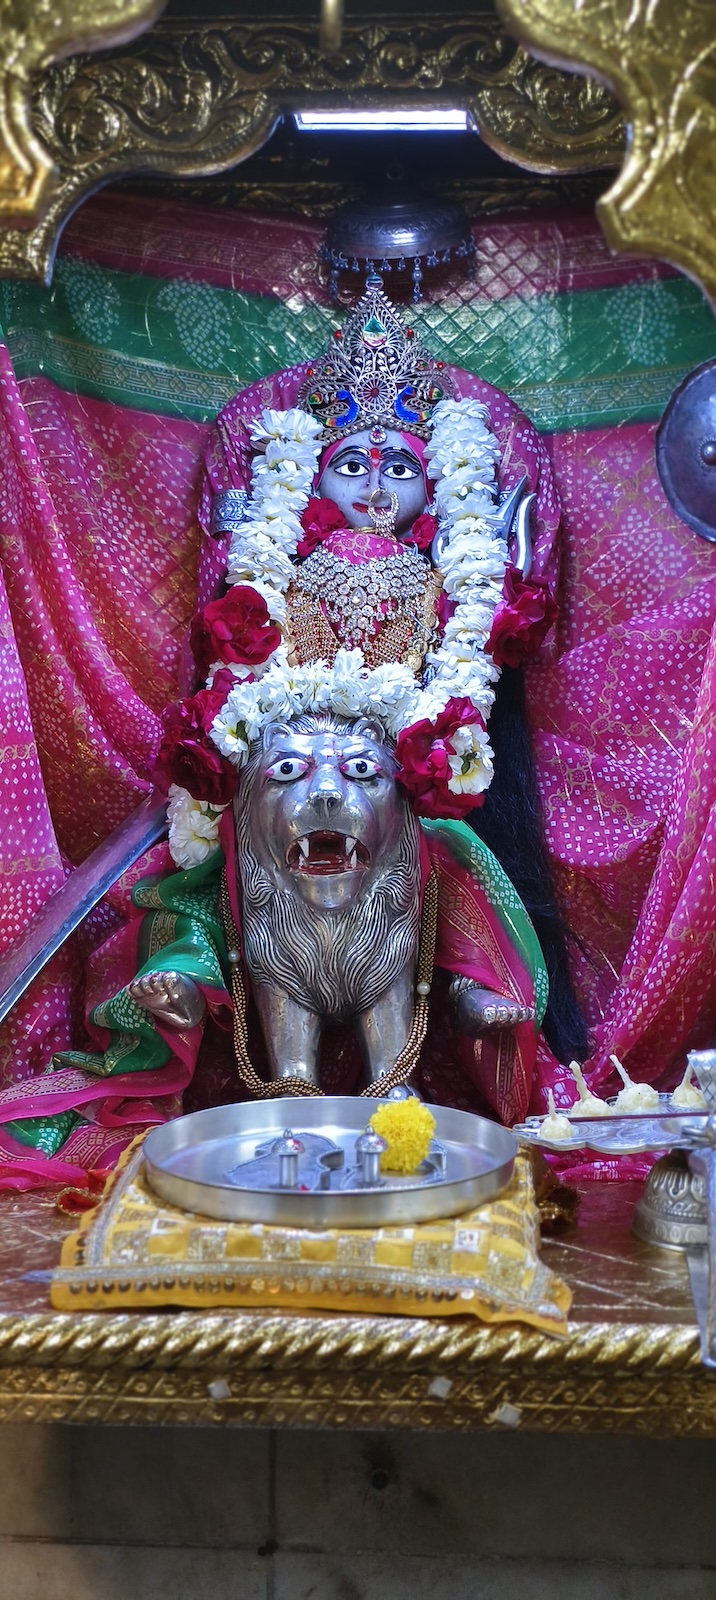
{"points": [[459, 712], [235, 628], [424, 530], [187, 756], [522, 619], [320, 518], [446, 609], [423, 752]]}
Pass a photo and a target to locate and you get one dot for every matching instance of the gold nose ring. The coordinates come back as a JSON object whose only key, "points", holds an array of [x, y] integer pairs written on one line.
{"points": [[383, 517]]}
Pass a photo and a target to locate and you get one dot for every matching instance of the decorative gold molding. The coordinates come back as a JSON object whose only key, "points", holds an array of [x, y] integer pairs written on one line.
{"points": [[344, 1372], [312, 196], [185, 101], [33, 36], [659, 57]]}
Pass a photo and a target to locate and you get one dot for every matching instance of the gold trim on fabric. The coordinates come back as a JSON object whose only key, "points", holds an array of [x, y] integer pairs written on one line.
{"points": [[135, 1250]]}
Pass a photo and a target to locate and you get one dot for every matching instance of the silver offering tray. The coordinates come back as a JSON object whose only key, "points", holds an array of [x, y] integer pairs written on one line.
{"points": [[294, 1162], [627, 1133]]}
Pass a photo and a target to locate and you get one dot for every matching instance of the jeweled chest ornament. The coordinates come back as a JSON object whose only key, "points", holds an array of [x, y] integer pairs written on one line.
{"points": [[355, 596]]}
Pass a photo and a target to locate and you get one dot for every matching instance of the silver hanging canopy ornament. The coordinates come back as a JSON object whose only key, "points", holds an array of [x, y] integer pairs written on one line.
{"points": [[411, 234]]}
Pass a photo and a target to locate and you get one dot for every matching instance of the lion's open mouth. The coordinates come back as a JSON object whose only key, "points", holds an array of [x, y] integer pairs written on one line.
{"points": [[322, 852]]}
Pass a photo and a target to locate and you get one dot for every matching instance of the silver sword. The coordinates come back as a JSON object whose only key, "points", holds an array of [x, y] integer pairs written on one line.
{"points": [[70, 904]]}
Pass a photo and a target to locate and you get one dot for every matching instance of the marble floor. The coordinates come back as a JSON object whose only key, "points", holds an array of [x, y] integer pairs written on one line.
{"points": [[102, 1513]]}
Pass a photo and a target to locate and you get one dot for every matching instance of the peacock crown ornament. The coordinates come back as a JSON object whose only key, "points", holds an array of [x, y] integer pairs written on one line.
{"points": [[376, 373]]}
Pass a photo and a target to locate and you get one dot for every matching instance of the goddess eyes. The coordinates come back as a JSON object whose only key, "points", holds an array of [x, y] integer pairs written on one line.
{"points": [[399, 471], [286, 769]]}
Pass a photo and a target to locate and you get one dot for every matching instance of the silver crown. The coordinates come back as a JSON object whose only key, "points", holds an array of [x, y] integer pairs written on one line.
{"points": [[376, 374]]}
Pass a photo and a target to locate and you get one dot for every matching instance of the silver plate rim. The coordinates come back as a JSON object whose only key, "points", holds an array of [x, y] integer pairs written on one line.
{"points": [[352, 1208]]}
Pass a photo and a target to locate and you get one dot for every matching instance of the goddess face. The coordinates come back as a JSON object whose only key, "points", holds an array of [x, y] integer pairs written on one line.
{"points": [[326, 813], [360, 468]]}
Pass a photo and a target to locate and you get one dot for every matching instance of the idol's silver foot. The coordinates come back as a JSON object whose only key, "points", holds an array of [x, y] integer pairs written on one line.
{"points": [[296, 1069], [478, 1011], [171, 997]]}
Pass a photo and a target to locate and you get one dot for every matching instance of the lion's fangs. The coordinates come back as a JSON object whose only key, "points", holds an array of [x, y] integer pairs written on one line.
{"points": [[348, 853]]}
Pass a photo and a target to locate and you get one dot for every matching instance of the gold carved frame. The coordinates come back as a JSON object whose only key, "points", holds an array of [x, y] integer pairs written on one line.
{"points": [[659, 58], [189, 99]]}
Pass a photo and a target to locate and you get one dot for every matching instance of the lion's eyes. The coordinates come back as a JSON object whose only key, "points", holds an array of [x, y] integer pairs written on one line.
{"points": [[288, 768], [360, 767]]}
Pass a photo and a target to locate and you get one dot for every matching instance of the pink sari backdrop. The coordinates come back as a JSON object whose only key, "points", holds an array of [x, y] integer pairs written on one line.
{"points": [[625, 733], [99, 547]]}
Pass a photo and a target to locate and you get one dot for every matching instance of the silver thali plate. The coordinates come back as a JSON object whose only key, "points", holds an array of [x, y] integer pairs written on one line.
{"points": [[220, 1163]]}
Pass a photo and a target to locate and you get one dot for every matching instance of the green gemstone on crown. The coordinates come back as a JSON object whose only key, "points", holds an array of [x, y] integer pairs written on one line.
{"points": [[374, 334]]}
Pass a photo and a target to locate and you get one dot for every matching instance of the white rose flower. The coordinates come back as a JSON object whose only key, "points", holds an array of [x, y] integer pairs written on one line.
{"points": [[282, 499], [283, 528], [260, 559], [390, 693], [229, 729], [472, 563], [283, 690], [193, 827], [280, 452], [471, 622], [285, 474], [472, 764], [469, 674], [463, 647], [465, 450], [427, 706], [449, 412], [463, 501], [346, 683], [491, 552], [317, 681]]}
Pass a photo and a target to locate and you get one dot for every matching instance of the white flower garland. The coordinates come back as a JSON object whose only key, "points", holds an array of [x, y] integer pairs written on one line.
{"points": [[462, 454], [289, 445], [349, 688]]}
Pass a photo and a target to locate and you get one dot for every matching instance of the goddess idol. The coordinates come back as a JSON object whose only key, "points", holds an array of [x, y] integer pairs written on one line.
{"points": [[335, 921]]}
